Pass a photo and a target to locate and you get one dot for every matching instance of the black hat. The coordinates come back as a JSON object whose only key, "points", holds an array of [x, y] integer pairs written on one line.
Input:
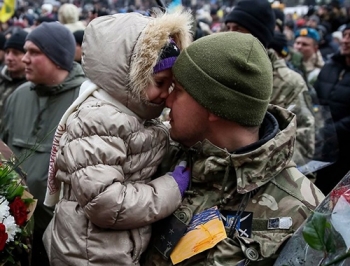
{"points": [[17, 40], [279, 15], [56, 42], [79, 35], [279, 43], [256, 16], [2, 41]]}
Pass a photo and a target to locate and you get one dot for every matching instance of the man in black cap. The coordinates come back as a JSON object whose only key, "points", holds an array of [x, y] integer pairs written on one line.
{"points": [[12, 74], [33, 111], [255, 17], [289, 89]]}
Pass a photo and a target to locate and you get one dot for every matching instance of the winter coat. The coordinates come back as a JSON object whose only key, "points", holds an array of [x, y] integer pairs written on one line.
{"points": [[266, 172], [32, 113], [290, 91], [113, 145], [7, 86], [333, 91]]}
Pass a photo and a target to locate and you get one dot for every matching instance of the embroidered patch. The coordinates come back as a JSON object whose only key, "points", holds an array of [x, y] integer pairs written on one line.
{"points": [[244, 222], [280, 223]]}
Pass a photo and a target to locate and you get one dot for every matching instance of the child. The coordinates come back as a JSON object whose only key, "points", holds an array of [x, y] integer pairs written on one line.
{"points": [[108, 145]]}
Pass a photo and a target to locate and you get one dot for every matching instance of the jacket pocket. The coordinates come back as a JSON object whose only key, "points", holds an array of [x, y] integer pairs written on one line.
{"points": [[264, 244]]}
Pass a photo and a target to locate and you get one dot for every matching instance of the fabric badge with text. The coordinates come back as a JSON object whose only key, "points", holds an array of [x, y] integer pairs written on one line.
{"points": [[243, 225]]}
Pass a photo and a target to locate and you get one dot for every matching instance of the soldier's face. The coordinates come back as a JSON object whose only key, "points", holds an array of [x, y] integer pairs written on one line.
{"points": [[345, 43], [306, 46], [188, 119]]}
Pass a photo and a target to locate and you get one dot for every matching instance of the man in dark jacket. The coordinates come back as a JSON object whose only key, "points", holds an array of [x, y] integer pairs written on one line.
{"points": [[33, 111], [333, 89], [12, 74]]}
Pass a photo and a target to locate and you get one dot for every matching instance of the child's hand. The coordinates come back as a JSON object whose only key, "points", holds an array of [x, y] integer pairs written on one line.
{"points": [[182, 176]]}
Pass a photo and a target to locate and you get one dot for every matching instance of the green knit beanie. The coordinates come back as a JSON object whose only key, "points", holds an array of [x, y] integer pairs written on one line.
{"points": [[229, 74]]}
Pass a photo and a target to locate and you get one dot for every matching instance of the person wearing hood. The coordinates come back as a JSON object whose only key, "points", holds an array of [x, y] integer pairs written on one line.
{"points": [[68, 15], [12, 75], [33, 111], [109, 143], [246, 197]]}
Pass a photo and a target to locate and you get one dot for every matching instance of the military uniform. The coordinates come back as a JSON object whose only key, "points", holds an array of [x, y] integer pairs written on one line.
{"points": [[290, 91], [259, 179]]}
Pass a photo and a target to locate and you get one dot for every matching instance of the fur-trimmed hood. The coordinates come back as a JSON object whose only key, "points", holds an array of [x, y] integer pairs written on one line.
{"points": [[120, 51]]}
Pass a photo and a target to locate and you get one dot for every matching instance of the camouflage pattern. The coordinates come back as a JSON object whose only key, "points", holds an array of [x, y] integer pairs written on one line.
{"points": [[291, 92], [280, 191], [7, 86]]}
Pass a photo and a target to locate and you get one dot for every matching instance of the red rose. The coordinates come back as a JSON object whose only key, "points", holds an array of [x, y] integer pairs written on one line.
{"points": [[3, 236], [19, 211]]}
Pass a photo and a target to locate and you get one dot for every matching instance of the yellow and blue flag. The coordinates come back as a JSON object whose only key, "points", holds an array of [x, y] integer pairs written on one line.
{"points": [[205, 230], [7, 10]]}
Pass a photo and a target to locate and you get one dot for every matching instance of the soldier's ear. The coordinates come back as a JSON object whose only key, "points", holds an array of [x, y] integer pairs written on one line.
{"points": [[213, 118]]}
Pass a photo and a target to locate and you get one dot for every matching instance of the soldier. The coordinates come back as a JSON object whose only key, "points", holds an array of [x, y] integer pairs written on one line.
{"points": [[240, 155], [289, 89], [306, 42]]}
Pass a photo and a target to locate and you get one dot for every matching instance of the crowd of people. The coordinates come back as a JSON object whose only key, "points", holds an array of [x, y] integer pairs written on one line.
{"points": [[151, 124]]}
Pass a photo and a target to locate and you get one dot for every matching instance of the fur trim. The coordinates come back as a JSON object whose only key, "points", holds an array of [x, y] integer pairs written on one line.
{"points": [[154, 37]]}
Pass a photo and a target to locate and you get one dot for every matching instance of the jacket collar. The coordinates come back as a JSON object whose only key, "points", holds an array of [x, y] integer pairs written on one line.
{"points": [[252, 166], [74, 79]]}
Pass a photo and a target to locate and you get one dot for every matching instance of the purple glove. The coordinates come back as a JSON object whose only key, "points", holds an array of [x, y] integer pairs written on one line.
{"points": [[182, 176]]}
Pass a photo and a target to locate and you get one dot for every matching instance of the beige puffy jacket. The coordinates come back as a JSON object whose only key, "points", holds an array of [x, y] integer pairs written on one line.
{"points": [[111, 148]]}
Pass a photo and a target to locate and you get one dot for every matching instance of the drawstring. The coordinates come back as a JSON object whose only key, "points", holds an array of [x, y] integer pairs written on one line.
{"points": [[239, 213], [224, 182], [189, 192], [242, 206]]}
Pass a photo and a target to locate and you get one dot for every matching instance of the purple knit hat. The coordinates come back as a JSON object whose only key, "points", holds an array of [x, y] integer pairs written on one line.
{"points": [[167, 57]]}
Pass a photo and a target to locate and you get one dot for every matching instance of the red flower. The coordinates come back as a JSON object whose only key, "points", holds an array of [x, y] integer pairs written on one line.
{"points": [[3, 236], [19, 211]]}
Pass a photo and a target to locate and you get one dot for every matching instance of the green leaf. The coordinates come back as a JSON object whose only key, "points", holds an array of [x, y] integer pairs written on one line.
{"points": [[330, 244], [15, 191], [314, 231]]}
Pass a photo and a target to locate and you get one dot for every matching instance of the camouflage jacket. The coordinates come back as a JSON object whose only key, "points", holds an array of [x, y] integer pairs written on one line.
{"points": [[266, 173], [291, 92]]}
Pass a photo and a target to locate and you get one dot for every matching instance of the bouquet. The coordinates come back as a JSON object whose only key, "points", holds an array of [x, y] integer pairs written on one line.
{"points": [[16, 208], [324, 239]]}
